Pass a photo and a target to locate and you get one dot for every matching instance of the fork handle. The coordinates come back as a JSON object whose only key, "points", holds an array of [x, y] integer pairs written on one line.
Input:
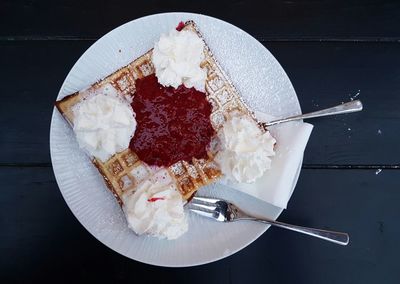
{"points": [[352, 106], [335, 237]]}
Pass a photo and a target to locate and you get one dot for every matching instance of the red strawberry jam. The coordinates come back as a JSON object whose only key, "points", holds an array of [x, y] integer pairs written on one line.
{"points": [[180, 26], [172, 124], [154, 199]]}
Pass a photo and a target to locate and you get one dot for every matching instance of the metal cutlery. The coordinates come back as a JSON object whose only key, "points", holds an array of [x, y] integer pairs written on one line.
{"points": [[224, 211], [349, 107]]}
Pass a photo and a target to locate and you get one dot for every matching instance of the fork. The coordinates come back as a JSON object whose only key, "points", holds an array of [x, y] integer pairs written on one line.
{"points": [[352, 106], [224, 211]]}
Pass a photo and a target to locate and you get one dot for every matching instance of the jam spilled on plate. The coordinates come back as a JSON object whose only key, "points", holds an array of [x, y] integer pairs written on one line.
{"points": [[180, 26], [172, 124]]}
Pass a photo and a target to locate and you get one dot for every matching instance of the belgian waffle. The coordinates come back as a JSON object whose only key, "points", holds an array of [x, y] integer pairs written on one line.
{"points": [[124, 171]]}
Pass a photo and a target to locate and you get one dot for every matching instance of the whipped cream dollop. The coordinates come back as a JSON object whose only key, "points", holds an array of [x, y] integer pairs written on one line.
{"points": [[104, 123], [157, 209], [177, 57], [245, 150]]}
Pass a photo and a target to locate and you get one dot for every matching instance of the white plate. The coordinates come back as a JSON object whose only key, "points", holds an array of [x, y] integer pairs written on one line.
{"points": [[259, 78]]}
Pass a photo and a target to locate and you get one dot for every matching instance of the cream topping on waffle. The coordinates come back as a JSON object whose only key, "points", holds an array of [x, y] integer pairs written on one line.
{"points": [[246, 150], [104, 124], [177, 57], [155, 208]]}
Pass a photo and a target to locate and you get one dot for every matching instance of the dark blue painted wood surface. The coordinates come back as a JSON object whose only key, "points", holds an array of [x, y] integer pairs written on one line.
{"points": [[330, 50]]}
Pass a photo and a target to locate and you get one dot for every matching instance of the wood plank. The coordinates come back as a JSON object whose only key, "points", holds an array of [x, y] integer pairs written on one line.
{"points": [[301, 20], [323, 74], [40, 239], [356, 201], [327, 74], [35, 73]]}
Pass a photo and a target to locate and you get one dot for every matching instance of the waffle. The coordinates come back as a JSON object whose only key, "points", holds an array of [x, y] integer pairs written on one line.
{"points": [[124, 171]]}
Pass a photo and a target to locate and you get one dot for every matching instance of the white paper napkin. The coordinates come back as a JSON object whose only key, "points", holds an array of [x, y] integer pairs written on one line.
{"points": [[276, 185]]}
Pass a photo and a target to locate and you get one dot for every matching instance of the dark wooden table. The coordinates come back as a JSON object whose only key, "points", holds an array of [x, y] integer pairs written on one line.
{"points": [[351, 174]]}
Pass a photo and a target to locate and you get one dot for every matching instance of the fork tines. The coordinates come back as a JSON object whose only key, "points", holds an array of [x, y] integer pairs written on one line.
{"points": [[204, 206], [205, 199]]}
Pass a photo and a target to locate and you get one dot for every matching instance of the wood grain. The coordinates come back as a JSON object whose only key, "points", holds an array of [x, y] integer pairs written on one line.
{"points": [[323, 74], [267, 20], [330, 49], [41, 240], [326, 74]]}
